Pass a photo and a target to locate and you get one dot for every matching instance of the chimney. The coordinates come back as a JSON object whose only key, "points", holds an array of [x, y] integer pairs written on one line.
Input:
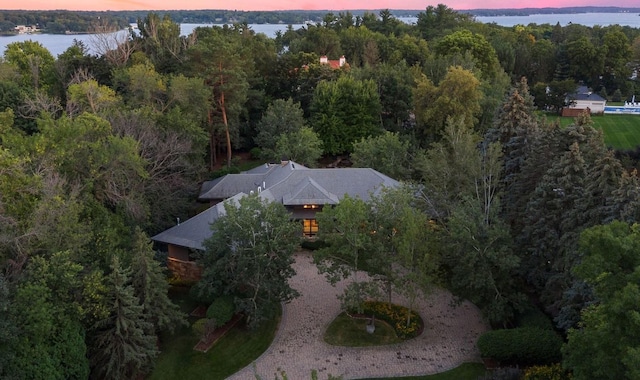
{"points": [[343, 60], [324, 60]]}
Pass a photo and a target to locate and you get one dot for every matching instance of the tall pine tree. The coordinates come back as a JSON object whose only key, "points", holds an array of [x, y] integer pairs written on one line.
{"points": [[151, 287], [122, 347]]}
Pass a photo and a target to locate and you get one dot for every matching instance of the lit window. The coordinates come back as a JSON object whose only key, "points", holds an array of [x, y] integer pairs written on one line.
{"points": [[310, 227]]}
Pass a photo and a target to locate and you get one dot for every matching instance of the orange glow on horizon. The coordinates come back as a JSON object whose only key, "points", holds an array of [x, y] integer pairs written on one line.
{"points": [[255, 5]]}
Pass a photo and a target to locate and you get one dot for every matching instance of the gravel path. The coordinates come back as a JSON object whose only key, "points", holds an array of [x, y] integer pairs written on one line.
{"points": [[448, 339]]}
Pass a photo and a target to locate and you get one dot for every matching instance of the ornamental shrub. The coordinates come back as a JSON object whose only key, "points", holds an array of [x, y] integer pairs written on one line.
{"points": [[199, 326], [221, 310], [546, 372], [523, 346], [313, 245], [396, 317]]}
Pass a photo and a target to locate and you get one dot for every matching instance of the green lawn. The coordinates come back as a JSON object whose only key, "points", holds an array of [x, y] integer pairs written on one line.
{"points": [[234, 351], [620, 131], [466, 371], [237, 349]]}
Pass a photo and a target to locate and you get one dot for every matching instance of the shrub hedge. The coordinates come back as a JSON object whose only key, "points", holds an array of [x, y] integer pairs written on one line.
{"points": [[221, 310], [523, 346], [312, 245]]}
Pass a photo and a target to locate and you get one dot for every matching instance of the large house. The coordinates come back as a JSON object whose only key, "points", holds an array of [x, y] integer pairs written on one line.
{"points": [[303, 191]]}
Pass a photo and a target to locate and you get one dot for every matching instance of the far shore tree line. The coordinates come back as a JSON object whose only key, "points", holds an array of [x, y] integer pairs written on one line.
{"points": [[505, 209]]}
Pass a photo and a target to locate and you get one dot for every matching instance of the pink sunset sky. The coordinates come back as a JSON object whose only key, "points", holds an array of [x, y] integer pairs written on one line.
{"points": [[258, 5]]}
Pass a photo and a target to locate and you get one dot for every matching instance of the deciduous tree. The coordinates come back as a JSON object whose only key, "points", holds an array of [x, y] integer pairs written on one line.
{"points": [[249, 256], [344, 111], [348, 231], [457, 96], [606, 344], [387, 153], [303, 146], [281, 117]]}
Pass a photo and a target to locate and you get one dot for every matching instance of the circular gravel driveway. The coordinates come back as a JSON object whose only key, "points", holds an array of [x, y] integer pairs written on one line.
{"points": [[448, 339]]}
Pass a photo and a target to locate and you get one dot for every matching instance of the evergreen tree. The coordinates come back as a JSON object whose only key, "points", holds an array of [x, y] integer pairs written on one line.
{"points": [[122, 347], [626, 198], [603, 179], [553, 224], [151, 287], [515, 127], [7, 329]]}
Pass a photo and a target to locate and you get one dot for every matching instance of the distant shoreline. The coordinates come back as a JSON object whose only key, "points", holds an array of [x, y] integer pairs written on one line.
{"points": [[292, 17]]}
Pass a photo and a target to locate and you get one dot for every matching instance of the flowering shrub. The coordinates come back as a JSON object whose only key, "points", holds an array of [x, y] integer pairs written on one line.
{"points": [[396, 317], [546, 372]]}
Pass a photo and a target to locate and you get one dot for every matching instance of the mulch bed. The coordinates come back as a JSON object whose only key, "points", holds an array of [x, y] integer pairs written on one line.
{"points": [[207, 342], [368, 316]]}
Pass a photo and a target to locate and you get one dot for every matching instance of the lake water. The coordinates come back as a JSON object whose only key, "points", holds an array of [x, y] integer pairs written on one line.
{"points": [[58, 43], [586, 19]]}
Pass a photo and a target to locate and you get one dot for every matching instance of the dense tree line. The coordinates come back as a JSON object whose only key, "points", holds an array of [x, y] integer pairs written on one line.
{"points": [[98, 152], [552, 10], [59, 22]]}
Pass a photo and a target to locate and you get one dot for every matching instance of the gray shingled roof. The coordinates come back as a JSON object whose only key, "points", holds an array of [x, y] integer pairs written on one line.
{"points": [[283, 179], [356, 182], [230, 185], [194, 231], [583, 93], [262, 177], [291, 184], [308, 192]]}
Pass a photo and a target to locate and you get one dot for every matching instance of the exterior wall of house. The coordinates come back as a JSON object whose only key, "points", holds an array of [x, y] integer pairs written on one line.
{"points": [[180, 266], [177, 252], [185, 270], [595, 106], [299, 212], [307, 217]]}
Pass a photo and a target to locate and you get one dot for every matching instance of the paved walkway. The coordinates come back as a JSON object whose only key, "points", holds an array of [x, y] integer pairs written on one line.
{"points": [[448, 339]]}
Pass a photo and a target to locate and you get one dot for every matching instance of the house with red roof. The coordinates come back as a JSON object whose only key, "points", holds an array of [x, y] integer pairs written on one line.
{"points": [[333, 63]]}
